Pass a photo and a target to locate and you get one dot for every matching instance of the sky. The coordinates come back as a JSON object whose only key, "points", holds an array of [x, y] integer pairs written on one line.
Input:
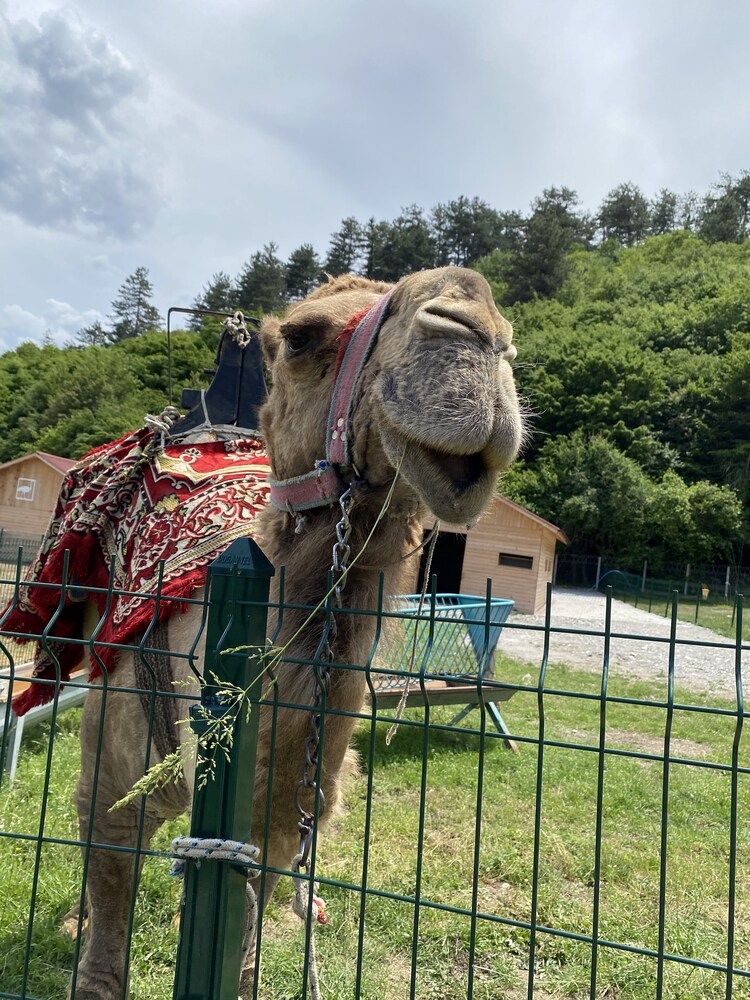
{"points": [[182, 136]]}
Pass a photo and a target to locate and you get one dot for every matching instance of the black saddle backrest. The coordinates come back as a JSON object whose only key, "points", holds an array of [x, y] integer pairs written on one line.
{"points": [[237, 390]]}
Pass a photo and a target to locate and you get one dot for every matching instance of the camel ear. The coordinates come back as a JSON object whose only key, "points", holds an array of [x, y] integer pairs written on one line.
{"points": [[270, 338]]}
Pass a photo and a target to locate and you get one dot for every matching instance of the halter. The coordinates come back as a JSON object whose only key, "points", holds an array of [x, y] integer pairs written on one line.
{"points": [[325, 484]]}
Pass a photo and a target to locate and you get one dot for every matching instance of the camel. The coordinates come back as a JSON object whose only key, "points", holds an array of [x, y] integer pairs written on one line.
{"points": [[436, 400]]}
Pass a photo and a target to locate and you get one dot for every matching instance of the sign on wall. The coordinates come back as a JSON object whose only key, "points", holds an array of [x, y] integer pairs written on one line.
{"points": [[25, 489]]}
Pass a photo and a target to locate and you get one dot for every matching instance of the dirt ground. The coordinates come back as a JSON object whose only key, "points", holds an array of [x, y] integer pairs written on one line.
{"points": [[708, 667]]}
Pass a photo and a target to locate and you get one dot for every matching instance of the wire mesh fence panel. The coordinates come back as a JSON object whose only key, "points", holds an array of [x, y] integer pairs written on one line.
{"points": [[16, 555], [609, 857], [575, 570], [10, 544]]}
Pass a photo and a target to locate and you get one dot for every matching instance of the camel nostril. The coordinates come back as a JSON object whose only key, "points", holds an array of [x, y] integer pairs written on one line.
{"points": [[440, 319]]}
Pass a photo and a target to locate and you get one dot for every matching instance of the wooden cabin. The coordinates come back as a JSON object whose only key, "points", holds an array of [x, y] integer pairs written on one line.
{"points": [[28, 492], [512, 546]]}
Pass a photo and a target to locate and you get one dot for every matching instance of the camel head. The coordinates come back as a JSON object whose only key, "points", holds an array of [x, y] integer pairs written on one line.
{"points": [[435, 395]]}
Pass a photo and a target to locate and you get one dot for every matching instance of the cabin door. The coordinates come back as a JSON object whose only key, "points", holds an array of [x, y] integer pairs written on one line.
{"points": [[447, 563]]}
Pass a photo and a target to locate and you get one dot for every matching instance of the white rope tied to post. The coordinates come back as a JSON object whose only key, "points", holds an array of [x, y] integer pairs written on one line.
{"points": [[301, 906], [198, 849]]}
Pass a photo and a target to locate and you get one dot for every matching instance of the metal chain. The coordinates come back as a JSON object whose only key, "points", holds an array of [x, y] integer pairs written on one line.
{"points": [[342, 550], [321, 682]]}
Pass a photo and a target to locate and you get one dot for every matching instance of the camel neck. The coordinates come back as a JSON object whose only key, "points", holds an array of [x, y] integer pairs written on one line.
{"points": [[307, 556]]}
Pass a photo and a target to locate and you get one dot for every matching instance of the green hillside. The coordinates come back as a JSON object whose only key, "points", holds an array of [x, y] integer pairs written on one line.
{"points": [[637, 376], [67, 400]]}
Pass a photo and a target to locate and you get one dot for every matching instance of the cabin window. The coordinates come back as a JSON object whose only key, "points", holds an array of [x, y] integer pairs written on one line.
{"points": [[515, 561], [25, 489]]}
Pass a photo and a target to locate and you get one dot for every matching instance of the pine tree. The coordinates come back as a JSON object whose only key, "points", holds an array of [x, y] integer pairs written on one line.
{"points": [[440, 223], [664, 213], [262, 282], [345, 249], [725, 217], [93, 335], [414, 242], [688, 211], [218, 294], [378, 251], [554, 227], [625, 215], [303, 271], [464, 230], [132, 310]]}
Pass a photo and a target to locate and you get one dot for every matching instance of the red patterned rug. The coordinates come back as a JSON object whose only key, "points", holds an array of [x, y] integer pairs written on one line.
{"points": [[134, 505]]}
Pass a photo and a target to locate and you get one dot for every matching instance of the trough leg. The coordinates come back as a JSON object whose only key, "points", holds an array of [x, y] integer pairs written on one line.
{"points": [[494, 713]]}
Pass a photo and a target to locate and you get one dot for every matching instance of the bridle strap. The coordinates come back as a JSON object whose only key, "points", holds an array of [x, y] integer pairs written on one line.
{"points": [[318, 488], [357, 353], [325, 483]]}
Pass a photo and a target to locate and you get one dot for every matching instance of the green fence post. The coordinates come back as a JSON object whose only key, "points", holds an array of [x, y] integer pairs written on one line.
{"points": [[212, 924]]}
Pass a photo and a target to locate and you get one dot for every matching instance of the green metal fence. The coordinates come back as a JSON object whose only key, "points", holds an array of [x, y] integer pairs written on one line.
{"points": [[702, 601], [723, 581], [608, 858], [11, 544]]}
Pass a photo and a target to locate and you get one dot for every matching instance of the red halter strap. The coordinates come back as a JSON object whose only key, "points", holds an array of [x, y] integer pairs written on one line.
{"points": [[324, 484]]}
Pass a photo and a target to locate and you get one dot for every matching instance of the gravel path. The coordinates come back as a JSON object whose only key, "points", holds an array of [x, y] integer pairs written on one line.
{"points": [[702, 668]]}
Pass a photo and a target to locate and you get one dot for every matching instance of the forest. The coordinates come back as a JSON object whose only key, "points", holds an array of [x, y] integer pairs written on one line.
{"points": [[633, 334]]}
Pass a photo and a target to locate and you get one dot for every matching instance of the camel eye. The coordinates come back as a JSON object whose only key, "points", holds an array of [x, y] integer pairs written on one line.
{"points": [[297, 340]]}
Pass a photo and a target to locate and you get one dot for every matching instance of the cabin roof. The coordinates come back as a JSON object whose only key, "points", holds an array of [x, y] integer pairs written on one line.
{"points": [[57, 462], [548, 525]]}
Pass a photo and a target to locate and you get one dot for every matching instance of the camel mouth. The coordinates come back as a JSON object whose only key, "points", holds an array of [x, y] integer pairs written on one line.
{"points": [[462, 471], [455, 487]]}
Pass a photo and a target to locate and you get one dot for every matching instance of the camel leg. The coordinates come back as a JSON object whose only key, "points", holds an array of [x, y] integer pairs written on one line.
{"points": [[101, 970], [110, 881]]}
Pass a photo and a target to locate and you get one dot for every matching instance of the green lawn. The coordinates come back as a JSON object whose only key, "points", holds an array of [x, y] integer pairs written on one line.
{"points": [[720, 618], [697, 860], [716, 616]]}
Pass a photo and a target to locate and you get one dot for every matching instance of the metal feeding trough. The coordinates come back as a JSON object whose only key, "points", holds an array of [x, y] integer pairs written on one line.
{"points": [[443, 655]]}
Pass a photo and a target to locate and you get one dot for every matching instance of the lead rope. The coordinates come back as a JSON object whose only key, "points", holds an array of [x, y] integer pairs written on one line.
{"points": [[302, 904]]}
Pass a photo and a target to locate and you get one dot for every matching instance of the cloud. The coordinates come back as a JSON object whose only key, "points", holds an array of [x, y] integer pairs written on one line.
{"points": [[59, 322], [74, 155]]}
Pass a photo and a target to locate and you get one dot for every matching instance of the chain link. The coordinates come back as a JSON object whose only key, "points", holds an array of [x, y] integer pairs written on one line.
{"points": [[321, 683]]}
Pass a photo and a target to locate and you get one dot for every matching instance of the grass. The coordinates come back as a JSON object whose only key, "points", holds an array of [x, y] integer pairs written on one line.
{"points": [[697, 856], [714, 615], [720, 618]]}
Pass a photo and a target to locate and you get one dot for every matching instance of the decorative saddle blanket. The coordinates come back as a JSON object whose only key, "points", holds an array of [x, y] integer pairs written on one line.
{"points": [[133, 505]]}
